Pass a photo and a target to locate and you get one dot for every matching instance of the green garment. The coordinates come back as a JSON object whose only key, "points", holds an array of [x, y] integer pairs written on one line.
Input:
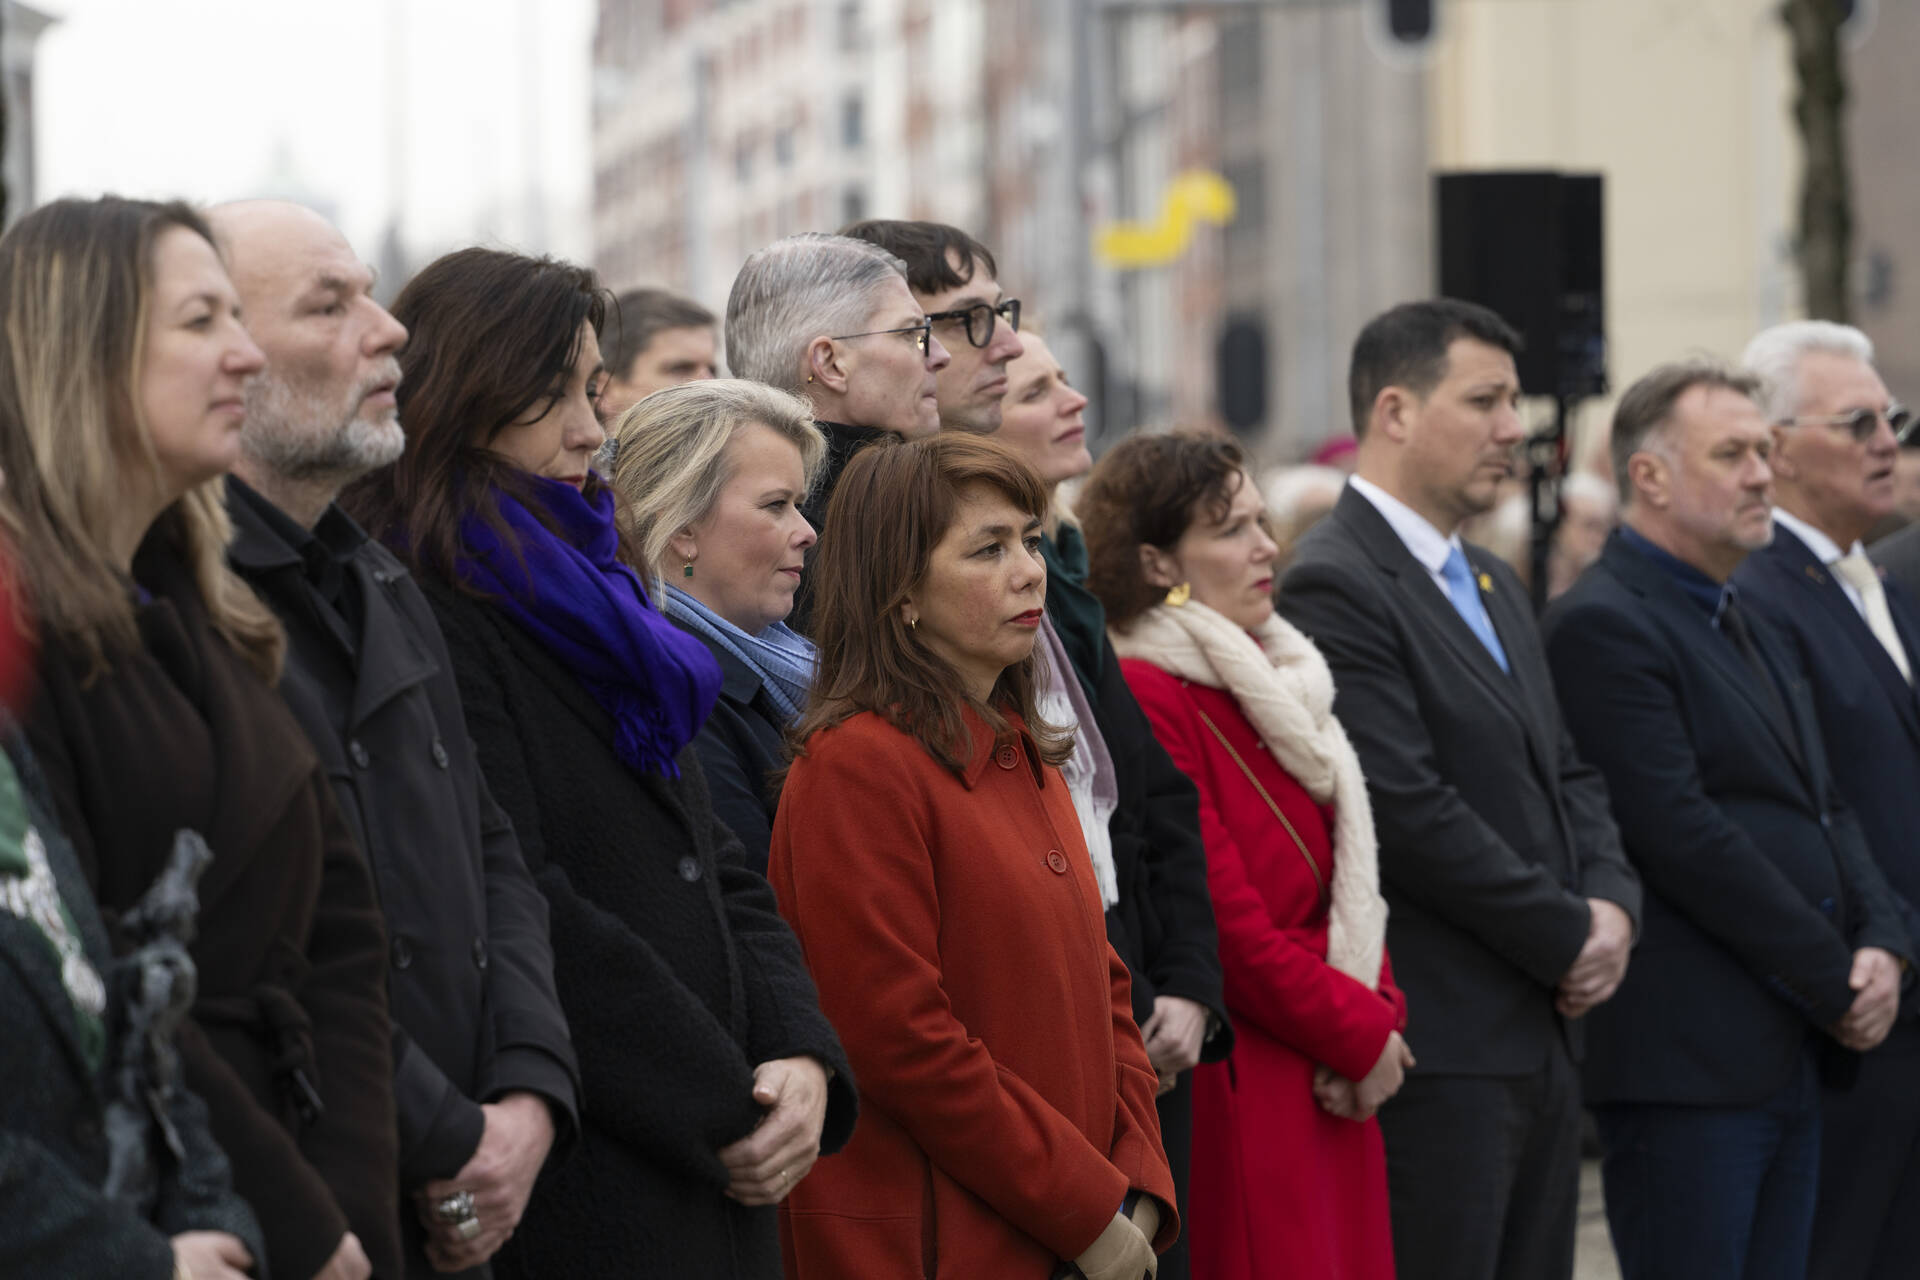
{"points": [[28, 890], [1077, 613]]}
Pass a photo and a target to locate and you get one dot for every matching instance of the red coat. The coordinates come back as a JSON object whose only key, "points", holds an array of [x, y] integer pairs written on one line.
{"points": [[955, 931], [1279, 1186]]}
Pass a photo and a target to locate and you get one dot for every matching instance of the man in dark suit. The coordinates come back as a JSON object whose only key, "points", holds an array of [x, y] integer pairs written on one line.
{"points": [[1513, 907], [1857, 637], [1769, 933], [485, 1075]]}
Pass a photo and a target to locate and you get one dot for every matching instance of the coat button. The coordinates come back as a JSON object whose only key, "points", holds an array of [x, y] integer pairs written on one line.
{"points": [[480, 954], [1057, 860], [402, 954], [1826, 821], [690, 869], [1006, 757], [359, 754], [1826, 905], [440, 753]]}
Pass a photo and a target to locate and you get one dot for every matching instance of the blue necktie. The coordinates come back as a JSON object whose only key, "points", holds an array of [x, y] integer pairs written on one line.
{"points": [[1465, 594]]}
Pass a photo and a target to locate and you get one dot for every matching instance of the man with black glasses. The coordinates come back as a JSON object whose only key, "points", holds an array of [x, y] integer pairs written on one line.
{"points": [[953, 277], [1836, 436]]}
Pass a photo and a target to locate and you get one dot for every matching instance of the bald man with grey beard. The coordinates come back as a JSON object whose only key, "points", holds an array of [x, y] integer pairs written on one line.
{"points": [[486, 1078]]}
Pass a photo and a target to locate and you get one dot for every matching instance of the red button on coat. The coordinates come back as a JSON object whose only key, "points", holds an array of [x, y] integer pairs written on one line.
{"points": [[1057, 860], [1007, 757]]}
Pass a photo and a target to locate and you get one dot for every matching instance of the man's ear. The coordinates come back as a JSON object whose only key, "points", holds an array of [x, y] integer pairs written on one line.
{"points": [[1781, 460], [1652, 479], [1159, 568], [825, 367], [1393, 413]]}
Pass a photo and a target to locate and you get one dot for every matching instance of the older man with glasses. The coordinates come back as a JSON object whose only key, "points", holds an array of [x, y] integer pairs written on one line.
{"points": [[953, 277], [1836, 435]]}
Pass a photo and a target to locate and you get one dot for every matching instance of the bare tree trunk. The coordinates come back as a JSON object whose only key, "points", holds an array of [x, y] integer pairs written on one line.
{"points": [[1824, 244]]}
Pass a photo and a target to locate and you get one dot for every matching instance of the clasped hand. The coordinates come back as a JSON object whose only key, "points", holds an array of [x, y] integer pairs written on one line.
{"points": [[1597, 971], [1361, 1099], [499, 1176], [770, 1162], [1876, 981]]}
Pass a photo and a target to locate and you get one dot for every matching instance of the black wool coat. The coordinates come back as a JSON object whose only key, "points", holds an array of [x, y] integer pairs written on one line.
{"points": [[469, 962], [289, 1042], [54, 1218], [676, 972], [741, 746]]}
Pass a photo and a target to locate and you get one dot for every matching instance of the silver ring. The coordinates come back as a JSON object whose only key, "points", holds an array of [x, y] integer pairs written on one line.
{"points": [[457, 1208], [467, 1228]]}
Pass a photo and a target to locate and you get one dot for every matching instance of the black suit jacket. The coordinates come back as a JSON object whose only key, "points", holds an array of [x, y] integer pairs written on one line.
{"points": [[1493, 834], [1759, 886], [1869, 714]]}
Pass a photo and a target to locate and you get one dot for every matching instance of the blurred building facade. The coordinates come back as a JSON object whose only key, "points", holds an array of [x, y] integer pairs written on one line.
{"points": [[21, 26], [723, 124]]}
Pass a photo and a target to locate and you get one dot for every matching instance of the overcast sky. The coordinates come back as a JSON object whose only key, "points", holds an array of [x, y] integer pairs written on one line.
{"points": [[470, 118]]}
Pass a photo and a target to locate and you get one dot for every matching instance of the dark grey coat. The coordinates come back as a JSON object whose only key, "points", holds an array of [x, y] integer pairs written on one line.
{"points": [[470, 966], [741, 746], [675, 968], [54, 1219]]}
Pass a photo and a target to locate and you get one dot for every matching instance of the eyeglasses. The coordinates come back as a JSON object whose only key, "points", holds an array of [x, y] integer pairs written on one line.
{"points": [[979, 319], [1862, 423], [924, 329]]}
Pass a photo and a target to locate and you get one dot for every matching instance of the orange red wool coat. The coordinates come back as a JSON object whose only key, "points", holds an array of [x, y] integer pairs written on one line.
{"points": [[955, 931]]}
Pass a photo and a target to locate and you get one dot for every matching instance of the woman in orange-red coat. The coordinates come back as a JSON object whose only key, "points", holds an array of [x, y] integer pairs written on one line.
{"points": [[1289, 1173], [929, 858]]}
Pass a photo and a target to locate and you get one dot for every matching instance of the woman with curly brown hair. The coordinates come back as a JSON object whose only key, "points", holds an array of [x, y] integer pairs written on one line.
{"points": [[1287, 1159]]}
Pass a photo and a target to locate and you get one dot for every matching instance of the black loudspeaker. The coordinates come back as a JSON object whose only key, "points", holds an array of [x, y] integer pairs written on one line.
{"points": [[1528, 245]]}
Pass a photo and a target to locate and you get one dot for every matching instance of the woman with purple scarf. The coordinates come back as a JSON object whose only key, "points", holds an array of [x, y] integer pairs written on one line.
{"points": [[712, 1082]]}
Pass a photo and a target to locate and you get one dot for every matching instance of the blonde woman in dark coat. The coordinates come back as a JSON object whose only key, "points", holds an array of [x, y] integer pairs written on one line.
{"points": [[122, 391]]}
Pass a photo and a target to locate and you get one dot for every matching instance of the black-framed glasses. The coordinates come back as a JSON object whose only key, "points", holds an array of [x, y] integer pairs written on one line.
{"points": [[924, 329], [979, 319], [1862, 423]]}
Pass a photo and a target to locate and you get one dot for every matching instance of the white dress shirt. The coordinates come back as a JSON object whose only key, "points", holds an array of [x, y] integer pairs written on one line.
{"points": [[1426, 544]]}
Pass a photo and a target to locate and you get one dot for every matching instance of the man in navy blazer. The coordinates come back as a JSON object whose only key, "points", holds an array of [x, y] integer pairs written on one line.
{"points": [[1857, 636], [1512, 905], [1769, 933]]}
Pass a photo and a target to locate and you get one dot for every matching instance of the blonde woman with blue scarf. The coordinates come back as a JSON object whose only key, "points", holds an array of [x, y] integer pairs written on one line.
{"points": [[711, 477]]}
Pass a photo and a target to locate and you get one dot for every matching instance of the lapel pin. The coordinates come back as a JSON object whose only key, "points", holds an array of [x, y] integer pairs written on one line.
{"points": [[1813, 571], [1486, 584]]}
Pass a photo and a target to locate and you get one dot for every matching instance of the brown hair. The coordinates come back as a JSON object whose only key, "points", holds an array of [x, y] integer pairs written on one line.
{"points": [[492, 336], [1148, 490], [1647, 406], [891, 507], [76, 285]]}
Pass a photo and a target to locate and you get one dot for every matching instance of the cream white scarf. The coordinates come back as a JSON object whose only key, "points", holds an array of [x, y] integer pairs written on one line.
{"points": [[1282, 684]]}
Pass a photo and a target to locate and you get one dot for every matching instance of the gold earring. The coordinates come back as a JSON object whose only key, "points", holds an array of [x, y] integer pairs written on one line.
{"points": [[1179, 595], [809, 377], [913, 623]]}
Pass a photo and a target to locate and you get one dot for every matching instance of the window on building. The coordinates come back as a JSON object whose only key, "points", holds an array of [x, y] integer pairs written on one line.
{"points": [[848, 26], [853, 121], [853, 203], [783, 148]]}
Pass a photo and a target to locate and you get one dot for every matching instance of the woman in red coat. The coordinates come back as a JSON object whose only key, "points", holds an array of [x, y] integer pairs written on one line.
{"points": [[1289, 1174], [928, 856]]}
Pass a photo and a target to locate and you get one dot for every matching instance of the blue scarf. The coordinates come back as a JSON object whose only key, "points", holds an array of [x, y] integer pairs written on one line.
{"points": [[780, 656], [571, 593]]}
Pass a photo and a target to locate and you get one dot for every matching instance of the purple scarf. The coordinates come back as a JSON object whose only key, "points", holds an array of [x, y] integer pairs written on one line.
{"points": [[590, 612]]}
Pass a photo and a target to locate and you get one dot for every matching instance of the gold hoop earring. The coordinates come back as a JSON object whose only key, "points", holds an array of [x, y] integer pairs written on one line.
{"points": [[913, 624], [1179, 595]]}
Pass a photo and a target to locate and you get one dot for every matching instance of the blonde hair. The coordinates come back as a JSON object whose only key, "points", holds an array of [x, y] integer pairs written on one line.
{"points": [[670, 455], [76, 280]]}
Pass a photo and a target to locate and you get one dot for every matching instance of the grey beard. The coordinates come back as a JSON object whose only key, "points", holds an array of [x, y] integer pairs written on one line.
{"points": [[277, 440]]}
